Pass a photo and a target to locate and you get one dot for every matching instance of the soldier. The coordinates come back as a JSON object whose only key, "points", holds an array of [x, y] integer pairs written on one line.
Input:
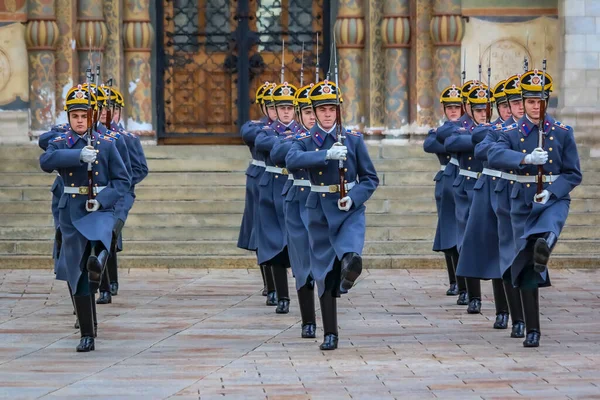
{"points": [[445, 235], [247, 238], [466, 120], [110, 118], [500, 202], [461, 143], [537, 216], [272, 237], [336, 226], [296, 192], [512, 90], [85, 218]]}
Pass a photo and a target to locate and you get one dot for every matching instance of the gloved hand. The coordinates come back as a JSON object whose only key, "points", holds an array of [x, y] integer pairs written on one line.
{"points": [[337, 152], [88, 154], [537, 157], [92, 205], [345, 203], [542, 198]]}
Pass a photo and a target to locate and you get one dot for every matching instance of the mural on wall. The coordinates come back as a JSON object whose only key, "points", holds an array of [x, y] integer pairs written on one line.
{"points": [[14, 78]]}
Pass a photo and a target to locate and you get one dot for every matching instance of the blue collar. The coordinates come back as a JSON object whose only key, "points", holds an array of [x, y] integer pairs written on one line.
{"points": [[526, 126], [73, 138]]}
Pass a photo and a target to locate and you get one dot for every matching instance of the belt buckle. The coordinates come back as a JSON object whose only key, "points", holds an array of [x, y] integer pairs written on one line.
{"points": [[478, 175], [83, 190], [284, 171], [334, 188]]}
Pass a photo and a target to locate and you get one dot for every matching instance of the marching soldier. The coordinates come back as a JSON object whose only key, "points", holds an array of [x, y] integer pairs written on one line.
{"points": [[461, 143], [248, 236], [445, 235], [543, 153], [336, 226], [512, 89], [296, 192], [272, 237], [86, 208]]}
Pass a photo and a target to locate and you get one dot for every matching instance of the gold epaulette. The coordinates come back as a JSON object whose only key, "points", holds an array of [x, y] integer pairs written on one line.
{"points": [[561, 125], [354, 133]]}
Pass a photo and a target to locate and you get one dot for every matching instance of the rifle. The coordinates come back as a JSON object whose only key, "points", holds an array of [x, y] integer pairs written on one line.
{"points": [[488, 106], [282, 60], [463, 78], [525, 60], [543, 107], [302, 67], [109, 104], [338, 122], [90, 123], [317, 67]]}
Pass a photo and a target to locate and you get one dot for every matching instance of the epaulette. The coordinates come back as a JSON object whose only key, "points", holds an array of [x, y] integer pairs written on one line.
{"points": [[509, 127], [461, 129], [561, 125], [353, 133], [306, 136], [302, 135], [498, 127], [114, 134], [433, 130], [59, 138], [108, 138]]}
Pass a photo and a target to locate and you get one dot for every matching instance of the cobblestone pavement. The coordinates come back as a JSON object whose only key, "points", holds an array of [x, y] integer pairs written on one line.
{"points": [[206, 334]]}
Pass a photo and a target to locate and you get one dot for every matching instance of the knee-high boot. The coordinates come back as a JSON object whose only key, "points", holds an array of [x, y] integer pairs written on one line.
{"points": [[270, 282], [541, 251], [513, 295], [281, 286], [76, 325], [474, 290], [105, 296], [501, 304], [306, 300], [531, 311], [94, 315], [83, 305], [461, 281], [329, 316], [452, 289], [112, 266], [264, 279]]}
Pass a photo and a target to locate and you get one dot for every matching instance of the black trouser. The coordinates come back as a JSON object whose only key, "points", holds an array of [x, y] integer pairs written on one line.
{"points": [[513, 295], [268, 281], [452, 256], [329, 312], [474, 288], [306, 300], [281, 281], [83, 298], [500, 299], [531, 309], [111, 274]]}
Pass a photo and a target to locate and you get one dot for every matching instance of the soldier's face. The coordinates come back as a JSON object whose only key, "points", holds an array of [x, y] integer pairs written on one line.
{"points": [[116, 115], [504, 111], [103, 115], [285, 114], [326, 116], [532, 108], [452, 112], [272, 113], [78, 121], [516, 109], [479, 116], [468, 110], [308, 117]]}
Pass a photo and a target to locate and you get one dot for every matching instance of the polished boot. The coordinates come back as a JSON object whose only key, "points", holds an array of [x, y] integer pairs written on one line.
{"points": [[329, 316], [113, 273], [501, 304], [83, 304], [76, 324], [541, 251], [351, 267], [262, 273], [71, 296], [306, 301], [114, 288], [462, 300], [94, 314], [104, 298], [474, 306], [271, 293], [271, 299], [474, 291], [531, 311], [453, 288], [281, 286], [515, 306], [95, 266]]}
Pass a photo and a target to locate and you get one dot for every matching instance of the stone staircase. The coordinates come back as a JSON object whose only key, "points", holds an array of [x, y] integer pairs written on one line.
{"points": [[189, 208]]}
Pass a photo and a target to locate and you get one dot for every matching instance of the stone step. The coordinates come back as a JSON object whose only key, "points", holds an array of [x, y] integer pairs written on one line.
{"points": [[249, 261]]}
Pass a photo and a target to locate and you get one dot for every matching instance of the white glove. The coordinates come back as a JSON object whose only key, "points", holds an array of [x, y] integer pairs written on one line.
{"points": [[347, 203], [88, 154], [537, 157], [95, 206], [542, 198], [337, 152]]}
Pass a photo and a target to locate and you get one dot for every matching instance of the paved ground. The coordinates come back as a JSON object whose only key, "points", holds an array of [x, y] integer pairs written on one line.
{"points": [[198, 334]]}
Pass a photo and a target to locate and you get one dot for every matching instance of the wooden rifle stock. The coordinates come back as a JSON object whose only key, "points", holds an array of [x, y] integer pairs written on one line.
{"points": [[339, 135], [540, 171]]}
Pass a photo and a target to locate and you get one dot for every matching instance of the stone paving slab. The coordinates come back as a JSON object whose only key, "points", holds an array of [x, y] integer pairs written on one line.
{"points": [[206, 334]]}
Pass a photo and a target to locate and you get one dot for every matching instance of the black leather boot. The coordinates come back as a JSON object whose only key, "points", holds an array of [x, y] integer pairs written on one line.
{"points": [[474, 291], [351, 267], [462, 300], [270, 282], [281, 286], [114, 288], [271, 299], [501, 304], [83, 305], [453, 288], [94, 314], [531, 311], [541, 251], [72, 301], [306, 300], [104, 298], [515, 306], [329, 316], [262, 273], [474, 306], [95, 266], [113, 273]]}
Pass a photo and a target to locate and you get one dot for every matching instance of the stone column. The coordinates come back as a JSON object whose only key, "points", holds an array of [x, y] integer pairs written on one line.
{"points": [[91, 35], [350, 37], [67, 73], [375, 65], [421, 72], [395, 30], [138, 36], [113, 53], [41, 36], [447, 29], [578, 104]]}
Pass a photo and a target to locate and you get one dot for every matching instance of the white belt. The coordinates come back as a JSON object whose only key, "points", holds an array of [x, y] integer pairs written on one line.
{"points": [[331, 188], [509, 177], [302, 182], [290, 177], [258, 163], [533, 179], [492, 172], [470, 174], [83, 190], [454, 161], [442, 167], [275, 170]]}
